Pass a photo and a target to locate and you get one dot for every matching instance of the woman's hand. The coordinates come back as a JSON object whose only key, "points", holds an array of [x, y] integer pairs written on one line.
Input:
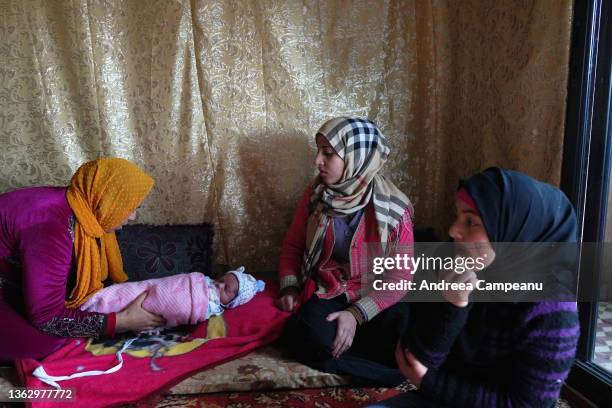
{"points": [[345, 332], [135, 318], [409, 365], [458, 298], [289, 301]]}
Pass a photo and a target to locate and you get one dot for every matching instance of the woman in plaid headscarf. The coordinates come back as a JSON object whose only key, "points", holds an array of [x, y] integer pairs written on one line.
{"points": [[340, 325], [57, 247]]}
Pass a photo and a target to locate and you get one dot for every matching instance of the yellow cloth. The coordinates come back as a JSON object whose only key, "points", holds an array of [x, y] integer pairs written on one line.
{"points": [[102, 194]]}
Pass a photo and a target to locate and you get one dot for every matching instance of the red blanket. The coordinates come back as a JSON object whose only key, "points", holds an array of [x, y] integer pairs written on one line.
{"points": [[155, 363]]}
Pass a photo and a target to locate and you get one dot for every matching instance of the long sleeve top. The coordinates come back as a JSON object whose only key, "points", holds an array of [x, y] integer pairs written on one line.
{"points": [[36, 249], [495, 354]]}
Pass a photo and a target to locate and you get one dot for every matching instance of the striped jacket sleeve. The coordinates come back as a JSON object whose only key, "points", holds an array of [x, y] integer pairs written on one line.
{"points": [[378, 300], [294, 245]]}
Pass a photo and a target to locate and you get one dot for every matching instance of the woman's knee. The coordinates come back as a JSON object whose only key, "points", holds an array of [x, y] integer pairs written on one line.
{"points": [[309, 335], [26, 341]]}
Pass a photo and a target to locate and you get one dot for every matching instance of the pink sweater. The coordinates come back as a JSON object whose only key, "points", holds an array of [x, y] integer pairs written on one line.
{"points": [[180, 299], [35, 263]]}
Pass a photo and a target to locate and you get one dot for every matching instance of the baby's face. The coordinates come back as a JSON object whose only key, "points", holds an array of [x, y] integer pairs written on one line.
{"points": [[228, 288]]}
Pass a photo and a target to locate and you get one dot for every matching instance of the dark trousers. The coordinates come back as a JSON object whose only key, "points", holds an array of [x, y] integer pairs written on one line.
{"points": [[371, 358]]}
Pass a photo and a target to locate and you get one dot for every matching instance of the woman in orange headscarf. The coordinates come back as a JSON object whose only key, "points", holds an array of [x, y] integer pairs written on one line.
{"points": [[57, 248]]}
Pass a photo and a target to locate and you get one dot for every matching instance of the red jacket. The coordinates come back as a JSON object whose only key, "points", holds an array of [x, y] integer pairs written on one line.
{"points": [[328, 273]]}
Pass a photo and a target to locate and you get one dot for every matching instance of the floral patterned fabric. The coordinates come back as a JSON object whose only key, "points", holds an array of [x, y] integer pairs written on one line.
{"points": [[268, 378], [316, 397], [333, 397], [219, 100], [159, 251], [267, 368]]}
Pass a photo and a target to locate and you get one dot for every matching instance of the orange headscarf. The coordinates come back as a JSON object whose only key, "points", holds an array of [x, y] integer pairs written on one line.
{"points": [[102, 194]]}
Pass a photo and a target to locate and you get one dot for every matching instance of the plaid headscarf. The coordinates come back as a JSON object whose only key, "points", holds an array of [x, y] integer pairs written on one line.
{"points": [[364, 150], [102, 194]]}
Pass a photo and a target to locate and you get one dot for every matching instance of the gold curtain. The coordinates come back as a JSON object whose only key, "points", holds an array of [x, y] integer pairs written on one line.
{"points": [[219, 100]]}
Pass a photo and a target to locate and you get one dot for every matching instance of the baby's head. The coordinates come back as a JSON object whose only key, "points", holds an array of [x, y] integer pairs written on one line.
{"points": [[228, 288], [237, 288]]}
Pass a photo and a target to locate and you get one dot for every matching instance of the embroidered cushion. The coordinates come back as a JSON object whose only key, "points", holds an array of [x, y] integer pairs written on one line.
{"points": [[156, 251]]}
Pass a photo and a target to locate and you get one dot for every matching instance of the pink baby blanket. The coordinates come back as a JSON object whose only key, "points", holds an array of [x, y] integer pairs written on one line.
{"points": [[180, 299], [155, 363]]}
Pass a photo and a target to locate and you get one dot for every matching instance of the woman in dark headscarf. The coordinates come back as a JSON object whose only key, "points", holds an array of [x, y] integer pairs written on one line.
{"points": [[348, 209], [503, 354]]}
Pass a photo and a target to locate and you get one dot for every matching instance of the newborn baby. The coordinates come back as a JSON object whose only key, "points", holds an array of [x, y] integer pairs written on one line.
{"points": [[181, 299]]}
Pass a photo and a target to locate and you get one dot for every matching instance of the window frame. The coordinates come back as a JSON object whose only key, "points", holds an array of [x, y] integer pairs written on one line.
{"points": [[585, 177]]}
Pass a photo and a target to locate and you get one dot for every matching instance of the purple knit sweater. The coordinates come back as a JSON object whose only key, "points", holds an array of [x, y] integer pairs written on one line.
{"points": [[501, 354]]}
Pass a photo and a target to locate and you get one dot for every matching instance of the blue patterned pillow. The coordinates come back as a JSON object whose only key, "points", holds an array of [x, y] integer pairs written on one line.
{"points": [[156, 251]]}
